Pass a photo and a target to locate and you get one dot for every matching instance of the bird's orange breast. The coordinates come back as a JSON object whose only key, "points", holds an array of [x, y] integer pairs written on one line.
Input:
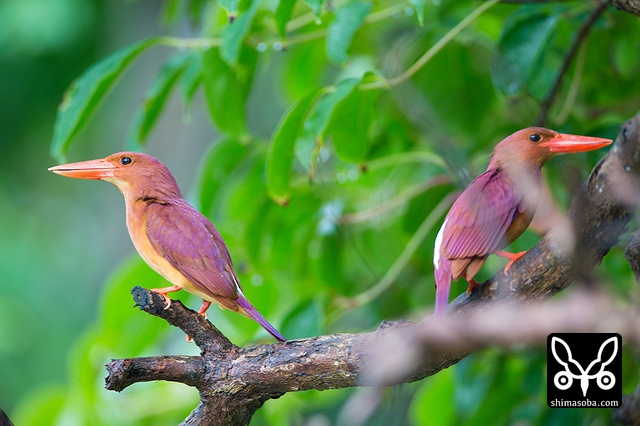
{"points": [[137, 227]]}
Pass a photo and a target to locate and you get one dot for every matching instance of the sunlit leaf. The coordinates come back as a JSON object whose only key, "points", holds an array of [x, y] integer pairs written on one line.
{"points": [[418, 5], [282, 16], [235, 33], [315, 126], [304, 67], [281, 149], [86, 93], [220, 161], [231, 6], [191, 78], [351, 123], [341, 30], [154, 101], [523, 41], [226, 89], [315, 5]]}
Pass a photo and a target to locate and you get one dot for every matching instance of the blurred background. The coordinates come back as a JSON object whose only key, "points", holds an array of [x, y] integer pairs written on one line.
{"points": [[341, 244]]}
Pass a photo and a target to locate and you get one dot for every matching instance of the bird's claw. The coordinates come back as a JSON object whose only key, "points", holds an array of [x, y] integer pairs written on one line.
{"points": [[472, 284], [167, 299], [508, 266], [512, 258], [203, 308]]}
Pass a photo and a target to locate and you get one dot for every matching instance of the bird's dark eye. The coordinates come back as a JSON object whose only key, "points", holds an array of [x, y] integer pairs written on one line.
{"points": [[125, 161], [534, 137]]}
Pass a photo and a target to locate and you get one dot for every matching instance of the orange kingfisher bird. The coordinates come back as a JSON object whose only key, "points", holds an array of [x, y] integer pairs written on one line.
{"points": [[498, 205], [175, 239]]}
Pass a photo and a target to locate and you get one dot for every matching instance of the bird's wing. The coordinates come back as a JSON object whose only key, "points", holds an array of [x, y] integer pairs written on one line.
{"points": [[480, 217], [191, 244]]}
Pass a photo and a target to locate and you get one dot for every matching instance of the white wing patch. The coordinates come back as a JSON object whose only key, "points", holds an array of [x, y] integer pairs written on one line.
{"points": [[238, 289], [436, 249]]}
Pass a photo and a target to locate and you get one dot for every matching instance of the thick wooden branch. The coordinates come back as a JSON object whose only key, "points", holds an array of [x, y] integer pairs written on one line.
{"points": [[629, 411], [204, 334], [630, 6], [234, 382], [183, 369]]}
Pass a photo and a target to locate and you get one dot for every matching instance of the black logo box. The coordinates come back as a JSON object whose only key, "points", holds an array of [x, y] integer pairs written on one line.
{"points": [[584, 370]]}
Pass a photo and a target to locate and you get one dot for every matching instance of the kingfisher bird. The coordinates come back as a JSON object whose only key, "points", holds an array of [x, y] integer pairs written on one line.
{"points": [[498, 205], [175, 239]]}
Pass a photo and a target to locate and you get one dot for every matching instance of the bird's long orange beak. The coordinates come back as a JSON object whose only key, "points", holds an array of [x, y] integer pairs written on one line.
{"points": [[92, 169], [564, 143]]}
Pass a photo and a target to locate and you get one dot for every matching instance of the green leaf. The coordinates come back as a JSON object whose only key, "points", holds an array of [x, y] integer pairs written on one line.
{"points": [[351, 123], [223, 158], [283, 15], [154, 100], [191, 79], [432, 403], [524, 39], [625, 57], [196, 9], [303, 67], [235, 33], [316, 6], [231, 6], [226, 89], [124, 330], [86, 93], [341, 30], [305, 320], [315, 126], [418, 5], [281, 149], [170, 11]]}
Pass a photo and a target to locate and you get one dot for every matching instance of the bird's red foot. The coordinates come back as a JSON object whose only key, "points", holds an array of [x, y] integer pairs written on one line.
{"points": [[163, 292], [202, 311], [512, 258], [472, 285]]}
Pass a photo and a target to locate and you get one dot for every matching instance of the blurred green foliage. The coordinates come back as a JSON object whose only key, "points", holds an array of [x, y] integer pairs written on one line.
{"points": [[343, 128]]}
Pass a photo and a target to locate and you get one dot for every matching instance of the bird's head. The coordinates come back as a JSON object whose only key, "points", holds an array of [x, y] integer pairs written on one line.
{"points": [[536, 145], [135, 174]]}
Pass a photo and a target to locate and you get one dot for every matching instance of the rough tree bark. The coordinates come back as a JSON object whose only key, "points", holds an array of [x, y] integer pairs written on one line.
{"points": [[234, 382], [630, 6]]}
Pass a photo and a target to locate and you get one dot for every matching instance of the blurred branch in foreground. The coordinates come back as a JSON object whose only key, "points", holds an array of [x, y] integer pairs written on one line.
{"points": [[234, 382], [4, 420]]}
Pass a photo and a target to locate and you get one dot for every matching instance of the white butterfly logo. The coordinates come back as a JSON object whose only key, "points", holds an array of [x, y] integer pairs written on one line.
{"points": [[564, 379]]}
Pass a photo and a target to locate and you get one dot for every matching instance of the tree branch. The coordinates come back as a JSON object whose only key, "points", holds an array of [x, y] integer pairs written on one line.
{"points": [[630, 6], [4, 419], [629, 411], [234, 382]]}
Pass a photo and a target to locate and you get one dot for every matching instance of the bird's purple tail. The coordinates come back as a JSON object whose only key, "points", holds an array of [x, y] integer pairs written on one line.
{"points": [[253, 313], [443, 283]]}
